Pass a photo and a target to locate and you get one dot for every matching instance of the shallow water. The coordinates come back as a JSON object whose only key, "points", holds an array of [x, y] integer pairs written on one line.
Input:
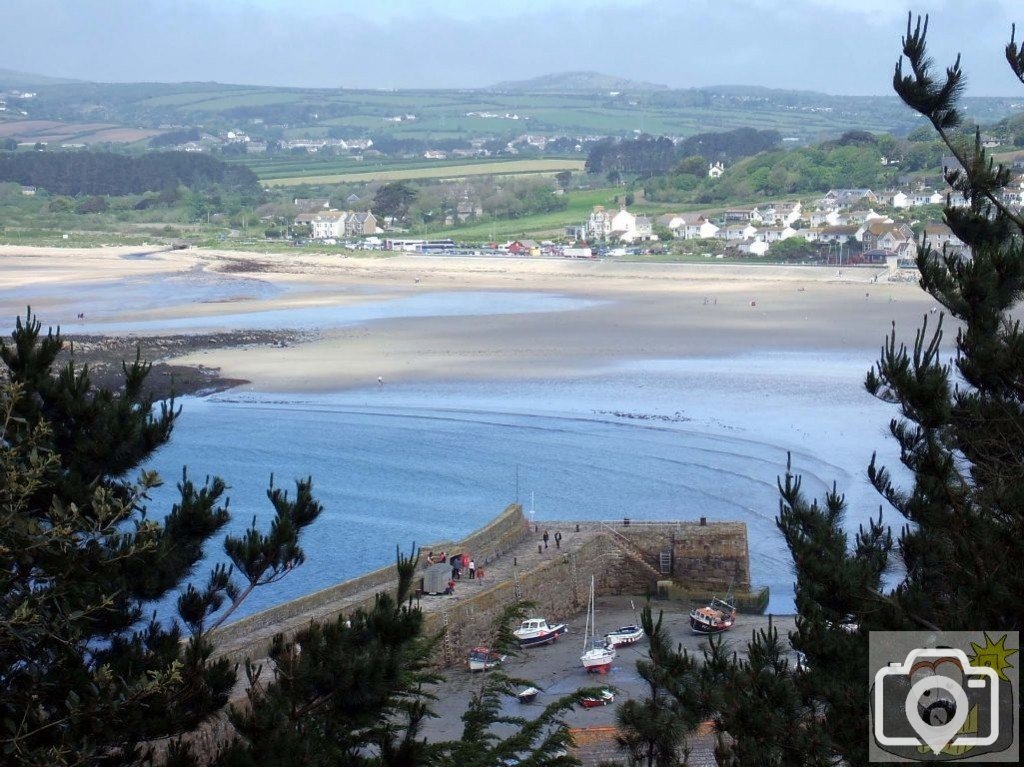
{"points": [[417, 464], [441, 304]]}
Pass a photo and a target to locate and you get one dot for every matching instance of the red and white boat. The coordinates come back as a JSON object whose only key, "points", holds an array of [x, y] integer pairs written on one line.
{"points": [[536, 631], [598, 655], [716, 617]]}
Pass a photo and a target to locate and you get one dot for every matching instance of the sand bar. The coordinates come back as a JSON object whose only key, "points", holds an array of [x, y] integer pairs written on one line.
{"points": [[632, 311]]}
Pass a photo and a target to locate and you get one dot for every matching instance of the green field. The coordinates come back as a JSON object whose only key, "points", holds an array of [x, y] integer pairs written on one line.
{"points": [[499, 168], [543, 225]]}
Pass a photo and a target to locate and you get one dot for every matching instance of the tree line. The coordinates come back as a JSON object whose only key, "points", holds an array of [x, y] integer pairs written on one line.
{"points": [[647, 156], [107, 173]]}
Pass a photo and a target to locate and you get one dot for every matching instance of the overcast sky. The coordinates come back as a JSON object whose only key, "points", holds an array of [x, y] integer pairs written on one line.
{"points": [[835, 46]]}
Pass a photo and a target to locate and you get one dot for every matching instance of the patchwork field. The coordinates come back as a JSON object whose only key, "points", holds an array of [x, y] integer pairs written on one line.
{"points": [[55, 131], [509, 168]]}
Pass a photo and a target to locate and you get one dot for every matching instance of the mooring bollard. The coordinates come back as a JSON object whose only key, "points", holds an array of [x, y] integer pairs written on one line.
{"points": [[515, 561], [540, 549]]}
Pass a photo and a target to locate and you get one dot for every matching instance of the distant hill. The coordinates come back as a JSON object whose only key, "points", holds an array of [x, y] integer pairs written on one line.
{"points": [[575, 82], [10, 78]]}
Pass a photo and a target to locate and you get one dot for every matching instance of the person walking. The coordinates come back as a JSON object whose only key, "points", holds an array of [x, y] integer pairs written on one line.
{"points": [[545, 537], [558, 539], [472, 569]]}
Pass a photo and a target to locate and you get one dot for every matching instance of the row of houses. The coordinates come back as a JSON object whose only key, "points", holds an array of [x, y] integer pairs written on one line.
{"points": [[753, 231], [839, 199], [335, 224]]}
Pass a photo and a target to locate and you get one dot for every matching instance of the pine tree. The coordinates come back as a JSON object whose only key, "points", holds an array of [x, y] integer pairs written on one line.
{"points": [[653, 729], [961, 436], [356, 691], [88, 678], [350, 691], [757, 699]]}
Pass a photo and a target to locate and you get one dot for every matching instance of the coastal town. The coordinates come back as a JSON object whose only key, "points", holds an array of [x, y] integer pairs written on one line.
{"points": [[845, 221]]}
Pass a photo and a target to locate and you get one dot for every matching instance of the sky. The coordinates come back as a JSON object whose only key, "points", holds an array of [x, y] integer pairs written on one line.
{"points": [[833, 46]]}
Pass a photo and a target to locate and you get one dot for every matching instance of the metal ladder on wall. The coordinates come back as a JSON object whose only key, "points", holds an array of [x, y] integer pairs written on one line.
{"points": [[665, 562], [575, 578], [517, 586], [446, 642]]}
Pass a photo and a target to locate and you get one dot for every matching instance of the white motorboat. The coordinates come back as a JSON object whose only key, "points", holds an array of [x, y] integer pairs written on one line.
{"points": [[536, 631]]}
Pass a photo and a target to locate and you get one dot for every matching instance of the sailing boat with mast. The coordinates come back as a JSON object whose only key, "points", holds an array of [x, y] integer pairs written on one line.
{"points": [[597, 653]]}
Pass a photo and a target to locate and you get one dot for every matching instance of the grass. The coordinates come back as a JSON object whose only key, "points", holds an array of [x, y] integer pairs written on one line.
{"points": [[542, 225], [508, 168]]}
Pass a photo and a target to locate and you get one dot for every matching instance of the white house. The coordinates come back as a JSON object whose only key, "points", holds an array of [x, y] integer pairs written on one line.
{"points": [[926, 198], [328, 225], [623, 221], [753, 247], [788, 213], [715, 170], [701, 229], [599, 225], [673, 222], [739, 232], [775, 234], [840, 234], [822, 217], [900, 200]]}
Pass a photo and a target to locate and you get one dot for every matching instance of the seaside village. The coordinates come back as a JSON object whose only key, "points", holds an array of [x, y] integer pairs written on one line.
{"points": [[847, 226]]}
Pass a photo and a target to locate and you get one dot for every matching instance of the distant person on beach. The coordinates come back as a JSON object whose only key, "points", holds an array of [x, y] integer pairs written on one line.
{"points": [[545, 537], [558, 539], [472, 569], [380, 381]]}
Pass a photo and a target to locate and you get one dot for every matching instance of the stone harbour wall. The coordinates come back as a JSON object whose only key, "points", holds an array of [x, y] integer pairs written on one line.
{"points": [[709, 554], [251, 636], [558, 589]]}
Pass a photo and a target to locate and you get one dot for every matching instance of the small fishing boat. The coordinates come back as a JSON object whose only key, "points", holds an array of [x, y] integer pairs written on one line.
{"points": [[536, 631], [597, 653], [484, 658], [624, 635], [528, 695], [606, 697], [717, 616]]}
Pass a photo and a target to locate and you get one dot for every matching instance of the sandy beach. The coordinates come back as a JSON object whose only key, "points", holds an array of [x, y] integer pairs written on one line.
{"points": [[624, 312]]}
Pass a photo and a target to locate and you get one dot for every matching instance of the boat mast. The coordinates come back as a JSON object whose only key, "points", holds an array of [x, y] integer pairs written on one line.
{"points": [[586, 630]]}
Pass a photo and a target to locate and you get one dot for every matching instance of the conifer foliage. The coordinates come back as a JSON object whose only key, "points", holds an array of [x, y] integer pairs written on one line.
{"points": [[87, 677], [960, 430]]}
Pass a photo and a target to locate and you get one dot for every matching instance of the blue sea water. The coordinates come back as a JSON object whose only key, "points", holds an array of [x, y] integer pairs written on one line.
{"points": [[421, 463]]}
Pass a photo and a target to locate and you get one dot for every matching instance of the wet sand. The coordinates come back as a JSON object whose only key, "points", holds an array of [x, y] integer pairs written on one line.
{"points": [[636, 311]]}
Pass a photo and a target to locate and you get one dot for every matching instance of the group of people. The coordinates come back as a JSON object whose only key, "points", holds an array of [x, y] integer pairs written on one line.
{"points": [[558, 539], [459, 562]]}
